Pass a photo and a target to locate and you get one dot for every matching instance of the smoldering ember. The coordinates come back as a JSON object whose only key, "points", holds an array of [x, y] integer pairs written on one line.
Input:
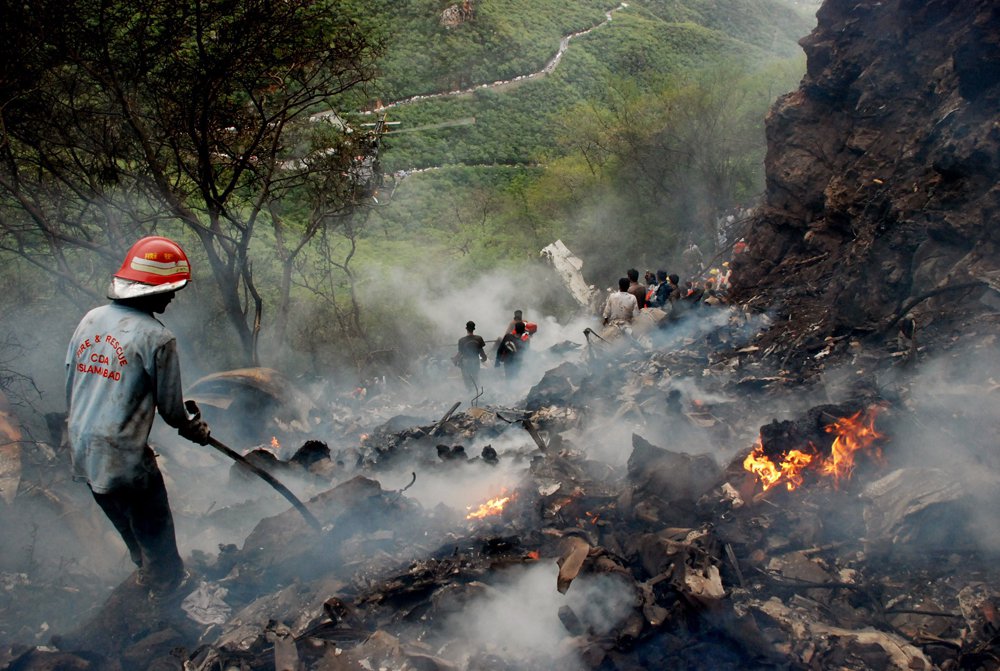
{"points": [[801, 479]]}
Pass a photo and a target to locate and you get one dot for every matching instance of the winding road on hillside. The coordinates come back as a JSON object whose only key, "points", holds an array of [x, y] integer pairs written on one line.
{"points": [[499, 85], [507, 83]]}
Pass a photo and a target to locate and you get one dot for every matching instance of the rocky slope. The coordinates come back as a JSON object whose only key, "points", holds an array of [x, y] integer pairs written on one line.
{"points": [[881, 172]]}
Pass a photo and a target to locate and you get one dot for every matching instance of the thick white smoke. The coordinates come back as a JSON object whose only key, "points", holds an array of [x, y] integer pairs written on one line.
{"points": [[518, 618]]}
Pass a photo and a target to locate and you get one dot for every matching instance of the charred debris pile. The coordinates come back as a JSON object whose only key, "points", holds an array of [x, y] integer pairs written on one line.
{"points": [[712, 532]]}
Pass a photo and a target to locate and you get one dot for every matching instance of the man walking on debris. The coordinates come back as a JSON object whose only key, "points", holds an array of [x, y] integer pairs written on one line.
{"points": [[470, 353], [511, 350], [621, 306], [122, 366], [663, 289], [675, 288]]}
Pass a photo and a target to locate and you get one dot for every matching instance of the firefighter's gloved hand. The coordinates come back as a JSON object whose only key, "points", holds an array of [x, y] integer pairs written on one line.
{"points": [[197, 430]]}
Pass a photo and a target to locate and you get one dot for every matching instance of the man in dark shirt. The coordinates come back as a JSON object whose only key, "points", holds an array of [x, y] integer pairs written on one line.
{"points": [[470, 353], [663, 289], [511, 349], [636, 289]]}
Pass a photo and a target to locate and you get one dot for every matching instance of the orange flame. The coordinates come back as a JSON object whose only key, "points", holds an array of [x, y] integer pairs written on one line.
{"points": [[275, 445], [492, 507], [789, 471], [853, 434]]}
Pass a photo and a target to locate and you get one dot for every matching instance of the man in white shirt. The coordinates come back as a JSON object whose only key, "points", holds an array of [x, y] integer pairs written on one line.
{"points": [[621, 306]]}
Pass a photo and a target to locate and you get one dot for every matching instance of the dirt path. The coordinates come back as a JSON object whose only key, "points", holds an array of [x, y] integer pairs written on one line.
{"points": [[507, 84]]}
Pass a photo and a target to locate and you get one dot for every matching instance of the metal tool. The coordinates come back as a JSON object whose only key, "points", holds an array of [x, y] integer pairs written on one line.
{"points": [[269, 479]]}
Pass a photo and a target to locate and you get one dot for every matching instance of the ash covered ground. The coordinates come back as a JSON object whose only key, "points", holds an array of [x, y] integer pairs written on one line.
{"points": [[627, 531]]}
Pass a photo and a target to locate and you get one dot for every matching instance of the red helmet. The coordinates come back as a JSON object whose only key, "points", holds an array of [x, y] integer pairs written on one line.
{"points": [[153, 265]]}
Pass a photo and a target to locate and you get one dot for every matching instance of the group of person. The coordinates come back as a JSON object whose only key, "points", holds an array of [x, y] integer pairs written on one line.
{"points": [[510, 351], [664, 291]]}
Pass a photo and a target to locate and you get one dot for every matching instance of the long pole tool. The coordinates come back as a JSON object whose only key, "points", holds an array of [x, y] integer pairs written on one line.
{"points": [[269, 479]]}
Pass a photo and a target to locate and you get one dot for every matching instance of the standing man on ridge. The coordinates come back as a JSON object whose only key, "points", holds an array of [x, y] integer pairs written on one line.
{"points": [[122, 368]]}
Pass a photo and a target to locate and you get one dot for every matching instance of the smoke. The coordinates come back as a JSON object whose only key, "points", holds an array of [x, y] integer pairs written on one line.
{"points": [[945, 430], [518, 618], [423, 315], [214, 503], [954, 408], [465, 484]]}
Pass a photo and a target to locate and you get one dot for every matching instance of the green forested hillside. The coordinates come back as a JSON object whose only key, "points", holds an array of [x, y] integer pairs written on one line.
{"points": [[774, 27], [512, 123], [504, 38], [515, 123], [613, 87]]}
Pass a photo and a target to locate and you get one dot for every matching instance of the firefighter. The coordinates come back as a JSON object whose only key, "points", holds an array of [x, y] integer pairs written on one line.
{"points": [[530, 328], [122, 367]]}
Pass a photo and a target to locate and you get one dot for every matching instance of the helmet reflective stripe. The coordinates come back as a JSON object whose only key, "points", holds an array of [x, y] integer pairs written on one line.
{"points": [[152, 265], [159, 267]]}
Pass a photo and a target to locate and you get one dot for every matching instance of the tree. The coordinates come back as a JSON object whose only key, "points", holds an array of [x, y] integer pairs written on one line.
{"points": [[665, 165], [120, 118]]}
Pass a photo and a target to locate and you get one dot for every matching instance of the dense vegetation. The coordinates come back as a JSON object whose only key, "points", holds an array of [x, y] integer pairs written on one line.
{"points": [[647, 129], [505, 38], [651, 125]]}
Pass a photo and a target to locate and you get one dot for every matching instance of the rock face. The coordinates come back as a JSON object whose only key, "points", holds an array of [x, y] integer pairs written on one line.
{"points": [[882, 168]]}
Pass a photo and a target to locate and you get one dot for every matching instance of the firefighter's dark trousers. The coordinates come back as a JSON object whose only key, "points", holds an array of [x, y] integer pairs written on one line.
{"points": [[141, 514]]}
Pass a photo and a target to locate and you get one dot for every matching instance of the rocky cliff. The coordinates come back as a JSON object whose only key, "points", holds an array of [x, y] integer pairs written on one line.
{"points": [[882, 172]]}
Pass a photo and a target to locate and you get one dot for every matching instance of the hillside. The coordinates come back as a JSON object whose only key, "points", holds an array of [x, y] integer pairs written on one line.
{"points": [[762, 23], [882, 175], [509, 140], [644, 42], [437, 47]]}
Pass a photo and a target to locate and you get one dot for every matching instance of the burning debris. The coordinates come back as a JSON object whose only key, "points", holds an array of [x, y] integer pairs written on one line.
{"points": [[493, 506], [775, 463]]}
